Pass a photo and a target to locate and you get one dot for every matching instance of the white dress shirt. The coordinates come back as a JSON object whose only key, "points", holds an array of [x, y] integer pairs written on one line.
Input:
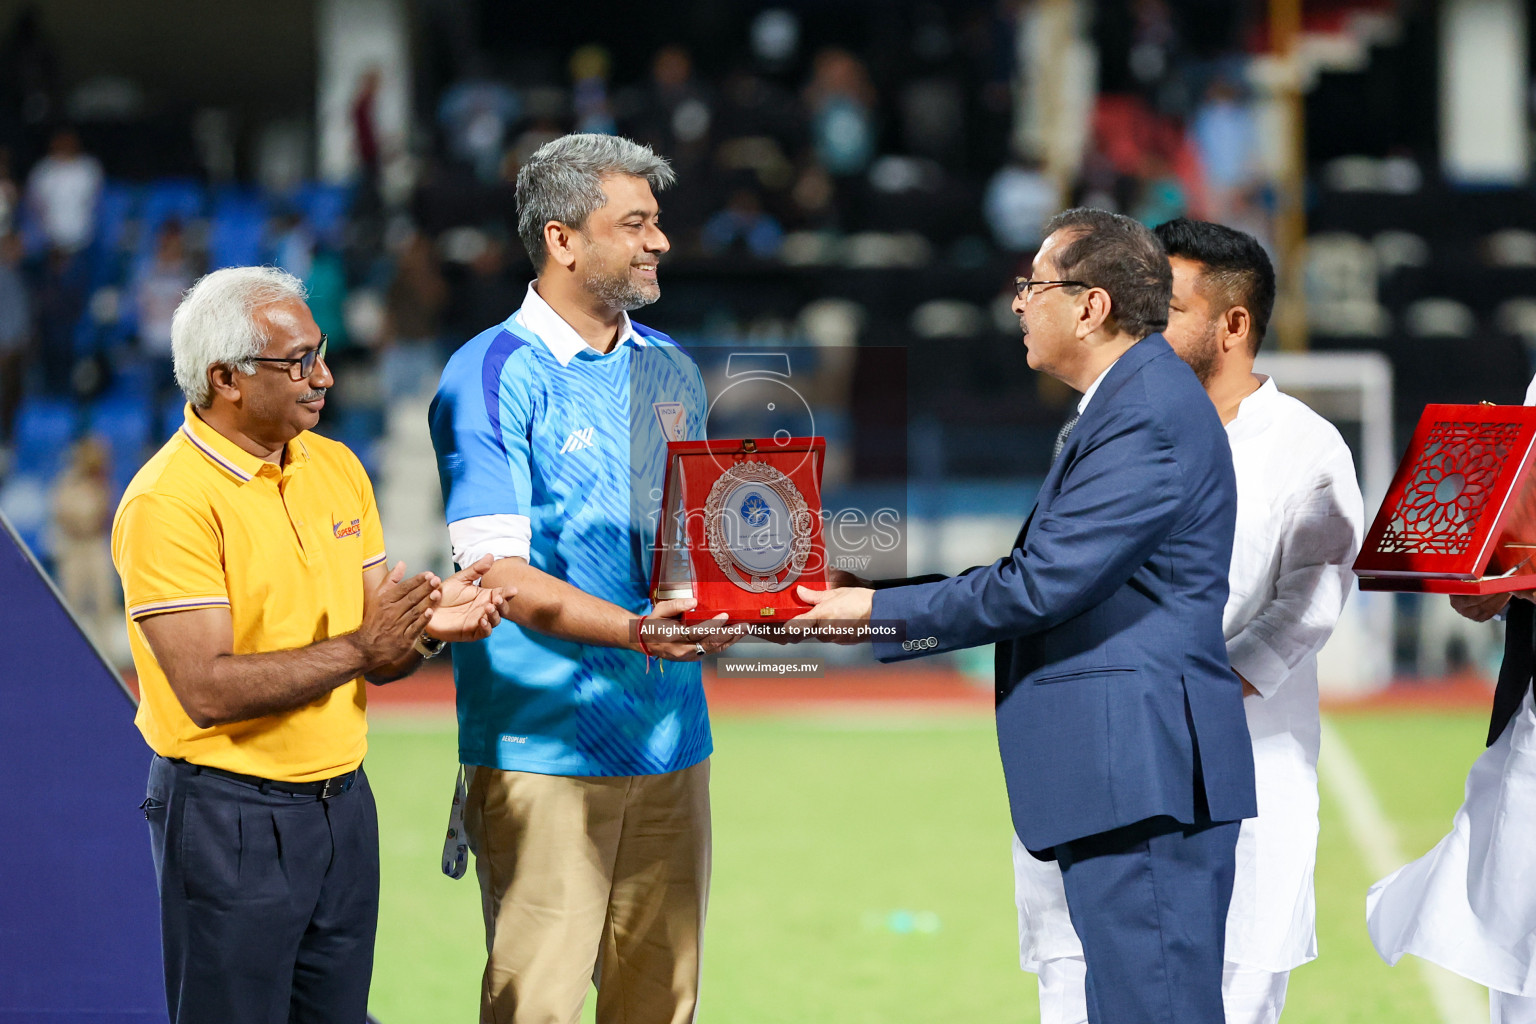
{"points": [[1469, 904], [1299, 525]]}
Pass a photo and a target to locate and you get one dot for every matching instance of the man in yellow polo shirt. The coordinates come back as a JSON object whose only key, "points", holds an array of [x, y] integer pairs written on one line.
{"points": [[259, 601]]}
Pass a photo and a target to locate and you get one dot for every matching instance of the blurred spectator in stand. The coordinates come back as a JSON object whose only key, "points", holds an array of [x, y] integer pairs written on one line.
{"points": [[1154, 40], [811, 197], [841, 102], [540, 130], [365, 140], [10, 195], [295, 250], [413, 321], [672, 115], [1226, 137], [488, 295], [15, 339], [29, 70], [82, 522], [589, 92], [61, 295], [475, 115], [62, 191], [743, 225], [156, 292], [327, 286], [1020, 198], [1163, 197]]}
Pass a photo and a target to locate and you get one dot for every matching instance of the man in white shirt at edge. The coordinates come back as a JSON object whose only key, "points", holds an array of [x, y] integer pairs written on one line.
{"points": [[1469, 904], [1299, 525]]}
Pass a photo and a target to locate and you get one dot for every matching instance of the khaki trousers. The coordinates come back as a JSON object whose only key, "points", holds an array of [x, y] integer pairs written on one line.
{"points": [[591, 880]]}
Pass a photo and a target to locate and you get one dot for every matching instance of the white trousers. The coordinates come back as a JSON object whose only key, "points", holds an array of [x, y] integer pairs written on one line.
{"points": [[1250, 996]]}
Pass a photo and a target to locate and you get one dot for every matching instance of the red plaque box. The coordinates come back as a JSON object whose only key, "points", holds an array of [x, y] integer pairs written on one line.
{"points": [[1460, 516], [741, 527]]}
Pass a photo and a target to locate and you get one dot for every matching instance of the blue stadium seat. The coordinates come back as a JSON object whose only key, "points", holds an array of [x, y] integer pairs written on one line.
{"points": [[26, 501], [237, 232], [170, 198], [172, 414], [324, 207], [125, 425], [45, 428], [115, 209]]}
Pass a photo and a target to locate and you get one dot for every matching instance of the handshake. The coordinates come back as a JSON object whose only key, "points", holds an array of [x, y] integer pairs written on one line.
{"points": [[838, 615]]}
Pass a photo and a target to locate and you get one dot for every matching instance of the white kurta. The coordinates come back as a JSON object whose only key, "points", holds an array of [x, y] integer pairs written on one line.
{"points": [[1299, 525], [1469, 904]]}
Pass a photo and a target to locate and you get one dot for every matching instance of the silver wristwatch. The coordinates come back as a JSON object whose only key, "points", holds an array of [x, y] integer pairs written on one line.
{"points": [[429, 646]]}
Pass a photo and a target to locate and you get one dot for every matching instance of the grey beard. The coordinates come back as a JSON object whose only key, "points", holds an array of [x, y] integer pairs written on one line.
{"points": [[618, 292]]}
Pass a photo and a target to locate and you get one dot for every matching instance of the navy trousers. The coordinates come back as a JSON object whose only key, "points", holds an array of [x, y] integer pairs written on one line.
{"points": [[268, 901], [1149, 902]]}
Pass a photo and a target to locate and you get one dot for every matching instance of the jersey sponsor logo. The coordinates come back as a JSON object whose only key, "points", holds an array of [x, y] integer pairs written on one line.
{"points": [[578, 440], [673, 419], [352, 529]]}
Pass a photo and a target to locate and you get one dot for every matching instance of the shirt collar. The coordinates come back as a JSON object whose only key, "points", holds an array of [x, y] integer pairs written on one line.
{"points": [[1082, 403], [233, 459], [1254, 404], [559, 337]]}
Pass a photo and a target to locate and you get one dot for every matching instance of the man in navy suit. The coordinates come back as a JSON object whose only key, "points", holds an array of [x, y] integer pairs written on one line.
{"points": [[1119, 719]]}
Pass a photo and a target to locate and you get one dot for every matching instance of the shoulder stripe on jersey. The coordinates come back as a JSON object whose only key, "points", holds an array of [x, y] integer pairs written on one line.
{"points": [[496, 355]]}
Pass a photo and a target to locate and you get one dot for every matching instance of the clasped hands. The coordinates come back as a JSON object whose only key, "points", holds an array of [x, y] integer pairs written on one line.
{"points": [[456, 609]]}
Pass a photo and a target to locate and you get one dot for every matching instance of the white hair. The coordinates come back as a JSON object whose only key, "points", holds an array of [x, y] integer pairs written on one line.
{"points": [[215, 324], [563, 182]]}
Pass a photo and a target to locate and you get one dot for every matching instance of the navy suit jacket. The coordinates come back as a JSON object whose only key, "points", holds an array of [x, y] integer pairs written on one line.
{"points": [[1115, 698]]}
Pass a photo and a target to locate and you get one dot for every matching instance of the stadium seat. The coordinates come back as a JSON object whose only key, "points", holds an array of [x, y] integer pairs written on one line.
{"points": [[1511, 247], [168, 199], [237, 231], [124, 425], [115, 210], [1439, 318], [324, 208], [25, 500], [45, 427]]}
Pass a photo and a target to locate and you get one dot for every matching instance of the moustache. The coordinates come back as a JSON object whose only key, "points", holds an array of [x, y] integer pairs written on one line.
{"points": [[310, 396]]}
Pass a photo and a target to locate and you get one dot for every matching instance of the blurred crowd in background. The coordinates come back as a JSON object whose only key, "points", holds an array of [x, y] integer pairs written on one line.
{"points": [[861, 181]]}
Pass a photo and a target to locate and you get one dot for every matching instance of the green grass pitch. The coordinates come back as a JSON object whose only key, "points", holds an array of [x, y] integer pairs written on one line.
{"points": [[862, 874]]}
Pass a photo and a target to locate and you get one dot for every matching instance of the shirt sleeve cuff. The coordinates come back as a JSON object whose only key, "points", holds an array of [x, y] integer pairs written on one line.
{"points": [[1256, 662], [500, 536], [145, 609]]}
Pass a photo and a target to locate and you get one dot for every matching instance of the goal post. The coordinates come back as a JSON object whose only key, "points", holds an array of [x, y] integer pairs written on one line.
{"points": [[1353, 391]]}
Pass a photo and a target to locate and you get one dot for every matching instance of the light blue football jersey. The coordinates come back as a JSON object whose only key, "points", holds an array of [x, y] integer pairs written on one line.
{"points": [[579, 447]]}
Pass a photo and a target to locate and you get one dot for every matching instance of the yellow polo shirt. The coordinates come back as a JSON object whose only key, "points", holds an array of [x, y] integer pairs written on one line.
{"points": [[205, 524]]}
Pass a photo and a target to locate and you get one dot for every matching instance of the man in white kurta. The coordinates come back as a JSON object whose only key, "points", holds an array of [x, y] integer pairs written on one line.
{"points": [[1299, 523], [1469, 904]]}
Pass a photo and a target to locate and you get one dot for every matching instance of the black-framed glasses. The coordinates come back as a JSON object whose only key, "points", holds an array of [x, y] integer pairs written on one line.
{"points": [[304, 364], [1024, 285]]}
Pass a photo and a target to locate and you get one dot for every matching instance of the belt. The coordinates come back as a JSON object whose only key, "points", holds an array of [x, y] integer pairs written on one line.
{"points": [[324, 789]]}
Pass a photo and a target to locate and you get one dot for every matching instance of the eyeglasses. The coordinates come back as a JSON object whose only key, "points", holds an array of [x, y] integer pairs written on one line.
{"points": [[1024, 286], [299, 367]]}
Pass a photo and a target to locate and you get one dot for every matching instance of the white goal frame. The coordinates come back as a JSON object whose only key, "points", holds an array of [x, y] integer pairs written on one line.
{"points": [[1351, 387]]}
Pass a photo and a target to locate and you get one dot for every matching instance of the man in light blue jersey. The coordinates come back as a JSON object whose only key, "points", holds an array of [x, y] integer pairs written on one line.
{"points": [[588, 800]]}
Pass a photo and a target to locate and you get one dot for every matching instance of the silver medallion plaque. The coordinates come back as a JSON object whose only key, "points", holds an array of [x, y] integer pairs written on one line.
{"points": [[758, 525]]}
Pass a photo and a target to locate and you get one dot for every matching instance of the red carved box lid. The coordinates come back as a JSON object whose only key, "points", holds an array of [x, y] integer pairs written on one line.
{"points": [[1460, 508]]}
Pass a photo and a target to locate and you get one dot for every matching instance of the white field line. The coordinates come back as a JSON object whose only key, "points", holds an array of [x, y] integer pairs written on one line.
{"points": [[1457, 1000]]}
